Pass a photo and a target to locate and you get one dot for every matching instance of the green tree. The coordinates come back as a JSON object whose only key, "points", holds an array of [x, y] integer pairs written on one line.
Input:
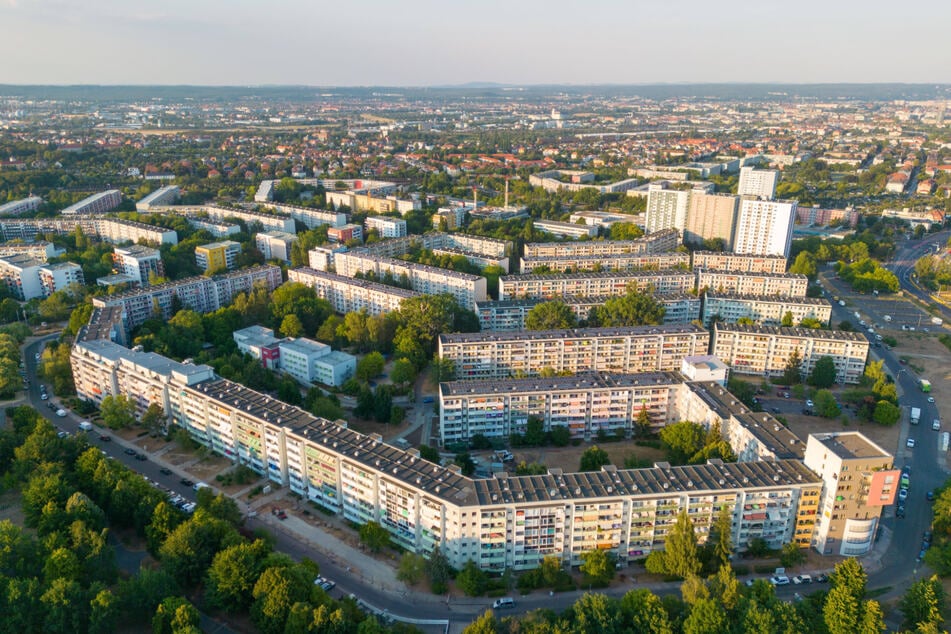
{"points": [[403, 373], [721, 536], [154, 419], [560, 435], [175, 615], [597, 568], [104, 610], [787, 320], [118, 412], [823, 373], [233, 573], [66, 607], [472, 580], [374, 536], [553, 315], [631, 309], [291, 326], [486, 623], [593, 459], [438, 570], [643, 611], [793, 372], [465, 462], [191, 546], [411, 568], [429, 453], [805, 264], [275, 592], [370, 366], [886, 413], [706, 617], [680, 551], [923, 604], [826, 405], [683, 441], [841, 611]]}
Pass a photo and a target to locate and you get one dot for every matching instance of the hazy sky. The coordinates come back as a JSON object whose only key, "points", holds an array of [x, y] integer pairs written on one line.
{"points": [[426, 42]]}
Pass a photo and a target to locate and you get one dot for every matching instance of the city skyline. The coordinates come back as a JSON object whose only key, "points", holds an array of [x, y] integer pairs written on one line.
{"points": [[428, 44]]}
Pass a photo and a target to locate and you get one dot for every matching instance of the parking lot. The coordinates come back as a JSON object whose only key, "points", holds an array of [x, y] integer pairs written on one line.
{"points": [[873, 309]]}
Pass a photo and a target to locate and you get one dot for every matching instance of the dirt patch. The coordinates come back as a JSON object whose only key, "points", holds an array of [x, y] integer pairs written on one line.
{"points": [[802, 425], [928, 358], [10, 508], [569, 458]]}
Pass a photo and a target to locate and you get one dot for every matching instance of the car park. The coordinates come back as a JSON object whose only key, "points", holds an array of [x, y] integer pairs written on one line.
{"points": [[779, 580], [801, 579]]}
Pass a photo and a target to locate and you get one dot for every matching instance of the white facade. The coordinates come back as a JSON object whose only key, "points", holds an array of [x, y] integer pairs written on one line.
{"points": [[758, 183], [58, 277], [765, 226], [387, 227], [348, 294], [666, 208], [96, 204], [162, 196], [17, 207], [275, 245], [138, 262], [21, 273], [314, 362]]}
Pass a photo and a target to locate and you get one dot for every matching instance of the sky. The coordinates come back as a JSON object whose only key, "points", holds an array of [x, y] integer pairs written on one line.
{"points": [[448, 42]]}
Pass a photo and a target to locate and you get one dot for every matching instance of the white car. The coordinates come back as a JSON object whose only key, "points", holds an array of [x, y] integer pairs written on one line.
{"points": [[779, 580], [902, 495], [809, 403], [61, 413], [910, 443], [801, 579], [44, 396], [931, 399]]}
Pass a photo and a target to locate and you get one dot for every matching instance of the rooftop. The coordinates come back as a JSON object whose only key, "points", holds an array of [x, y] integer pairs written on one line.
{"points": [[810, 301], [804, 333], [597, 275], [851, 445], [587, 380], [752, 274], [573, 333]]}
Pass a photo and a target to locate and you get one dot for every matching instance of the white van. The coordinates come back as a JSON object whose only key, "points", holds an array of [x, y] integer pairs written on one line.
{"points": [[85, 426], [201, 485], [936, 424], [504, 602]]}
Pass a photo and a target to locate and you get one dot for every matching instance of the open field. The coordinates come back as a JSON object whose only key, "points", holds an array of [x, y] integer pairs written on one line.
{"points": [[569, 458]]}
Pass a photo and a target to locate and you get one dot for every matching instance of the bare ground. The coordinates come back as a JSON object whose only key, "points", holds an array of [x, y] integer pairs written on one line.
{"points": [[569, 458]]}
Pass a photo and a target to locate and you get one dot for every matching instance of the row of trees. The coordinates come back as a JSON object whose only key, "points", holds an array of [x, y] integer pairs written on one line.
{"points": [[631, 309]]}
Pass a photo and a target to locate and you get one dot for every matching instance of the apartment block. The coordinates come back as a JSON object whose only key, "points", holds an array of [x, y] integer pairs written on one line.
{"points": [[21, 274], [758, 183], [586, 404], [666, 207], [744, 283], [107, 229], [658, 242], [764, 226], [503, 522], [626, 350], [723, 261], [161, 197], [312, 362], [102, 368], [217, 256], [477, 250], [357, 201], [858, 480], [346, 233], [348, 294], [201, 294], [269, 222], [466, 288], [217, 229], [620, 262], [766, 350], [765, 310], [322, 258], [510, 314], [22, 206], [99, 203], [386, 227], [138, 263], [710, 217], [275, 245], [58, 277], [565, 229], [42, 251], [312, 218], [595, 284]]}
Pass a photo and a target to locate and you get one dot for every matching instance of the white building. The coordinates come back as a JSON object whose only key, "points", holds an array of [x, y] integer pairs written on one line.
{"points": [[322, 258], [161, 197], [22, 206], [565, 229], [757, 183], [260, 343], [705, 367], [21, 273], [58, 277], [275, 245], [312, 362], [387, 227], [138, 263], [765, 226], [349, 294], [96, 204], [666, 207]]}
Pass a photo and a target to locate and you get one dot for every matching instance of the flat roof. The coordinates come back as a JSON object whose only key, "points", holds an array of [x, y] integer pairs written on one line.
{"points": [[531, 277], [793, 332], [586, 380], [850, 445], [357, 282], [147, 360], [573, 333], [772, 299], [796, 276]]}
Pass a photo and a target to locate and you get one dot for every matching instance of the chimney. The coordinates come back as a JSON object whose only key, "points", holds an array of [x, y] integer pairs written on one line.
{"points": [[506, 193], [475, 198]]}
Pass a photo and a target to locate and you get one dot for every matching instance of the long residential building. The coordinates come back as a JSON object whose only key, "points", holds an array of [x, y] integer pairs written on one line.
{"points": [[745, 283], [766, 350], [312, 218], [22, 206], [163, 196], [138, 262], [98, 203], [348, 294], [466, 288], [501, 522], [765, 310], [200, 294], [38, 250], [499, 355], [658, 242], [270, 222], [477, 250], [108, 229], [509, 314], [595, 284], [619, 262], [725, 261]]}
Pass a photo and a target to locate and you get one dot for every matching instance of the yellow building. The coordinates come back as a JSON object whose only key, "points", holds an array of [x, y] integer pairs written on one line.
{"points": [[217, 256]]}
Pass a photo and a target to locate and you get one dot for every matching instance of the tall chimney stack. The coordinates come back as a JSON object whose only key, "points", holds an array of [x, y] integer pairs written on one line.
{"points": [[506, 193]]}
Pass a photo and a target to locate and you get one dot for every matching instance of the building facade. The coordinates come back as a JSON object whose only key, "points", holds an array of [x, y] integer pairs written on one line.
{"points": [[658, 242], [22, 206], [217, 256], [275, 245], [744, 283], [765, 310], [620, 262], [766, 350], [386, 227], [666, 207], [626, 350], [99, 203], [758, 183], [711, 217], [161, 197], [764, 226], [595, 284], [138, 262], [348, 294], [723, 261], [346, 233]]}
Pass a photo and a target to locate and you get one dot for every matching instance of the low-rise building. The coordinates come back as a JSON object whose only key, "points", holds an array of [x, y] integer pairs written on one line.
{"points": [[565, 229], [58, 277], [21, 274], [627, 350], [766, 350], [260, 343], [765, 310], [744, 283], [217, 229], [322, 258], [312, 362]]}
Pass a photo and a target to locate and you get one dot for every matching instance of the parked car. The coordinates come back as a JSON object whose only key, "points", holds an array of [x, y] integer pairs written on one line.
{"points": [[809, 403], [105, 438], [165, 471], [931, 399], [902, 494], [929, 496], [910, 443], [141, 456], [186, 482], [130, 451], [900, 512], [823, 578], [779, 580], [801, 579]]}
